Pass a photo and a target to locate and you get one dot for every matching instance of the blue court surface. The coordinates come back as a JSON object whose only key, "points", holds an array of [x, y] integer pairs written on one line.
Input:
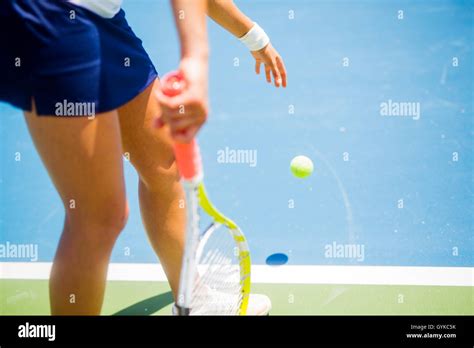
{"points": [[379, 97]]}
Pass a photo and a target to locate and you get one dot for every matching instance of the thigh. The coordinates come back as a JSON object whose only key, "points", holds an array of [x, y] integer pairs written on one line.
{"points": [[149, 149], [84, 160]]}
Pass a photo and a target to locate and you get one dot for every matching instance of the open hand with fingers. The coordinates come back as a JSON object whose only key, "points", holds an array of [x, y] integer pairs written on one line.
{"points": [[273, 64]]}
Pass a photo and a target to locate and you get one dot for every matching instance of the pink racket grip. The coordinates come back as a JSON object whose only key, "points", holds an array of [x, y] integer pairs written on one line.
{"points": [[188, 156]]}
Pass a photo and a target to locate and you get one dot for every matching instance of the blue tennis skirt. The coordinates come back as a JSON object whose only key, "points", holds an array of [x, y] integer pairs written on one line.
{"points": [[62, 55]]}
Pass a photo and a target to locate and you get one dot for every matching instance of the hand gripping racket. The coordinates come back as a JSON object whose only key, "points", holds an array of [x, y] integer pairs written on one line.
{"points": [[215, 272]]}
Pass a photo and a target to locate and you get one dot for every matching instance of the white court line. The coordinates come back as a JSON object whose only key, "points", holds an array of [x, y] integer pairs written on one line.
{"points": [[297, 274]]}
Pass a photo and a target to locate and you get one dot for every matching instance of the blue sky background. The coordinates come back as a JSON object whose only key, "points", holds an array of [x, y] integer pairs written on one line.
{"points": [[337, 110]]}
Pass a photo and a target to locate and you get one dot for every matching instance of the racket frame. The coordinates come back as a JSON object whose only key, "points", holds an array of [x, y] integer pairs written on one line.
{"points": [[196, 193], [188, 158]]}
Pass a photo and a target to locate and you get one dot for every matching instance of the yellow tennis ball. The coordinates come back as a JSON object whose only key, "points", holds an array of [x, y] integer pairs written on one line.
{"points": [[301, 167]]}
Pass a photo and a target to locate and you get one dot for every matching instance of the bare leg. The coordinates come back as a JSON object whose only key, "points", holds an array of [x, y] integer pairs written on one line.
{"points": [[161, 195], [84, 160]]}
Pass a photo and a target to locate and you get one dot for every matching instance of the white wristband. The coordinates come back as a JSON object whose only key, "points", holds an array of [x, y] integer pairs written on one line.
{"points": [[255, 39]]}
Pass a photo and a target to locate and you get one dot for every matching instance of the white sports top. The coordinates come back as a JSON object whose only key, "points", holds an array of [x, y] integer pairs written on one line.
{"points": [[103, 8]]}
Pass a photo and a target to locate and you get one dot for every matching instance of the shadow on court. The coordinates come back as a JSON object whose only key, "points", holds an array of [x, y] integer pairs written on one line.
{"points": [[149, 305]]}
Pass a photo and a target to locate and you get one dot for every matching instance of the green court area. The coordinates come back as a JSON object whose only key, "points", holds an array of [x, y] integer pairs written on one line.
{"points": [[30, 297]]}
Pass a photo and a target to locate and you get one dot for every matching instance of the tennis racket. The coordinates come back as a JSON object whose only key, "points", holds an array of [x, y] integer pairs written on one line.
{"points": [[215, 271]]}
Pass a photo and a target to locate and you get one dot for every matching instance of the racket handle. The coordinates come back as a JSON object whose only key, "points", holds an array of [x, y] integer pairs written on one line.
{"points": [[188, 158], [188, 155]]}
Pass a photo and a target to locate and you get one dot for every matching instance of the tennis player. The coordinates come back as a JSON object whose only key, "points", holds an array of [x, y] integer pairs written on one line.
{"points": [[88, 90]]}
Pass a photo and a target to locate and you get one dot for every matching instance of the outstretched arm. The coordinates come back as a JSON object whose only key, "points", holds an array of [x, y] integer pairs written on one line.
{"points": [[227, 15]]}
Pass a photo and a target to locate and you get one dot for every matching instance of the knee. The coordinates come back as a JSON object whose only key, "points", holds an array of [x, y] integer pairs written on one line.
{"points": [[102, 221]]}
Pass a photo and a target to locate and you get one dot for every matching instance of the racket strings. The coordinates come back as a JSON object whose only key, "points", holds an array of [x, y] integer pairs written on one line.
{"points": [[214, 267], [218, 289], [212, 254]]}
